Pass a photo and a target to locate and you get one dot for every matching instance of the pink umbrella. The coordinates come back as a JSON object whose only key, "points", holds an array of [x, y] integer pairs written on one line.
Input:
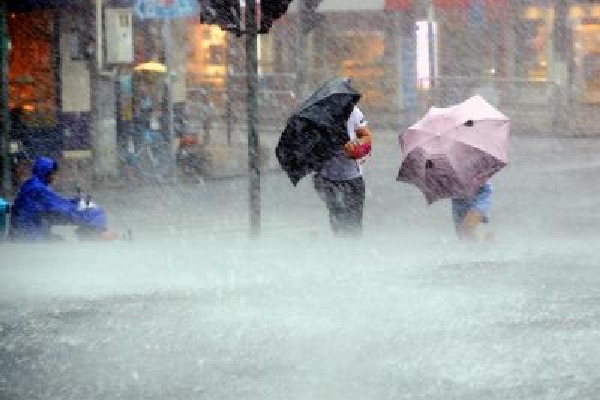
{"points": [[451, 152]]}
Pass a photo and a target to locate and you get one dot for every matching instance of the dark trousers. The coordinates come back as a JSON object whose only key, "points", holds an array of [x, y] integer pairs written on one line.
{"points": [[345, 202]]}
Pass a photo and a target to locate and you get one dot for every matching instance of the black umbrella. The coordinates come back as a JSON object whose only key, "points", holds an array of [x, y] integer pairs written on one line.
{"points": [[316, 129]]}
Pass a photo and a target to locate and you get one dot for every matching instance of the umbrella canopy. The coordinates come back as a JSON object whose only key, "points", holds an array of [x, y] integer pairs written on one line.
{"points": [[451, 152], [151, 66], [316, 129]]}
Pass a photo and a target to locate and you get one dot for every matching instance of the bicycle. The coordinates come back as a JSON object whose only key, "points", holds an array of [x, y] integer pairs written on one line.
{"points": [[153, 162]]}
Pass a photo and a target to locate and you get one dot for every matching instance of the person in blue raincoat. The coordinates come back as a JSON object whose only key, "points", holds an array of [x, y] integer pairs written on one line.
{"points": [[469, 213], [37, 207]]}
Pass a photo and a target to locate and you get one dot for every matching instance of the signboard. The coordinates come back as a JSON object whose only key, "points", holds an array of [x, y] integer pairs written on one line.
{"points": [[165, 9]]}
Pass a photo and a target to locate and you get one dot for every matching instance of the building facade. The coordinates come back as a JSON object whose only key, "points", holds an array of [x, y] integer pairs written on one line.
{"points": [[535, 59]]}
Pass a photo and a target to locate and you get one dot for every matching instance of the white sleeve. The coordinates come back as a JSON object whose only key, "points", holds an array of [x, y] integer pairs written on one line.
{"points": [[362, 122], [356, 120]]}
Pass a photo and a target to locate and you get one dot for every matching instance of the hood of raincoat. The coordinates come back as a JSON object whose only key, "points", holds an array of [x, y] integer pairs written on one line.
{"points": [[42, 168]]}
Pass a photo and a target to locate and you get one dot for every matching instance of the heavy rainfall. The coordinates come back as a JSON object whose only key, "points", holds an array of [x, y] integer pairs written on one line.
{"points": [[182, 197]]}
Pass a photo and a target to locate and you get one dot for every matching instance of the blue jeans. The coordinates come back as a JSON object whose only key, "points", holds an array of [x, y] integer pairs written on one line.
{"points": [[481, 202]]}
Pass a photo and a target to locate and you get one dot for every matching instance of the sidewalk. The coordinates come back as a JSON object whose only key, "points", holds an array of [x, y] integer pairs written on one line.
{"points": [[221, 203], [231, 160]]}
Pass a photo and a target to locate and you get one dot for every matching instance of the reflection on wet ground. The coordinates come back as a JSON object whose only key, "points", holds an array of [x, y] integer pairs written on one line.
{"points": [[272, 320]]}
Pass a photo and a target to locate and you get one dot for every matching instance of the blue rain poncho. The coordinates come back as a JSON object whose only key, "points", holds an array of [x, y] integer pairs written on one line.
{"points": [[37, 207]]}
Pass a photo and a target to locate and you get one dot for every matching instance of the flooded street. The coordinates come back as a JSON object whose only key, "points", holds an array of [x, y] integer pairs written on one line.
{"points": [[179, 139], [407, 312]]}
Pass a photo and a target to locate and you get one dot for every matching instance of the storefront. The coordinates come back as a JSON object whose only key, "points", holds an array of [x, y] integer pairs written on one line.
{"points": [[207, 60], [356, 48], [585, 20], [471, 38], [216, 73], [32, 94], [47, 74], [361, 58], [534, 42], [536, 45]]}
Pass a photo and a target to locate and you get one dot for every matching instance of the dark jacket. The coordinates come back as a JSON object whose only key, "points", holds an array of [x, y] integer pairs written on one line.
{"points": [[37, 207]]}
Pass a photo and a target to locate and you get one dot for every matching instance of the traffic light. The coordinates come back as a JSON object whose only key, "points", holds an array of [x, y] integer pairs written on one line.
{"points": [[310, 17], [270, 11], [225, 13]]}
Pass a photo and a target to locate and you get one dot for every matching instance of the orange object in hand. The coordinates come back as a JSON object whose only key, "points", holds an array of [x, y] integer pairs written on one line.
{"points": [[361, 147], [356, 150], [349, 149]]}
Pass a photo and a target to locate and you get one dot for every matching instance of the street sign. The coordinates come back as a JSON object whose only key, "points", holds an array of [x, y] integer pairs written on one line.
{"points": [[165, 9]]}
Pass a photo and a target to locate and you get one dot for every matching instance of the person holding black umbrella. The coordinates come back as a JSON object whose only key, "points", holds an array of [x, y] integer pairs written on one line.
{"points": [[340, 182], [327, 136]]}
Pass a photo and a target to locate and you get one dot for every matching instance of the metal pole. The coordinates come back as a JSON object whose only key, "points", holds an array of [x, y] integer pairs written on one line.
{"points": [[432, 44], [5, 127], [253, 140], [563, 43], [99, 38], [302, 53], [168, 39], [229, 115], [96, 66]]}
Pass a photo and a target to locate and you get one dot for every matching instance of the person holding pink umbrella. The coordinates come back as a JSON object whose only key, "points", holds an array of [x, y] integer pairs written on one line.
{"points": [[451, 153]]}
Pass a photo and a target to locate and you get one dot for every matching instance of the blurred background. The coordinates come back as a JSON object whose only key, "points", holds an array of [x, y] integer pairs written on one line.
{"points": [[72, 90]]}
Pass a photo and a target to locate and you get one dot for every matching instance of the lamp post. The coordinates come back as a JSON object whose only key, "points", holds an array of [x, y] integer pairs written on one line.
{"points": [[253, 139], [227, 15], [168, 41]]}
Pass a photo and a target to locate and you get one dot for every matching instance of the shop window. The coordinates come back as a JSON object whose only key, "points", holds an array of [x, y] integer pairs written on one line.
{"points": [[586, 49], [534, 42], [207, 60], [266, 55], [32, 85], [359, 55]]}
